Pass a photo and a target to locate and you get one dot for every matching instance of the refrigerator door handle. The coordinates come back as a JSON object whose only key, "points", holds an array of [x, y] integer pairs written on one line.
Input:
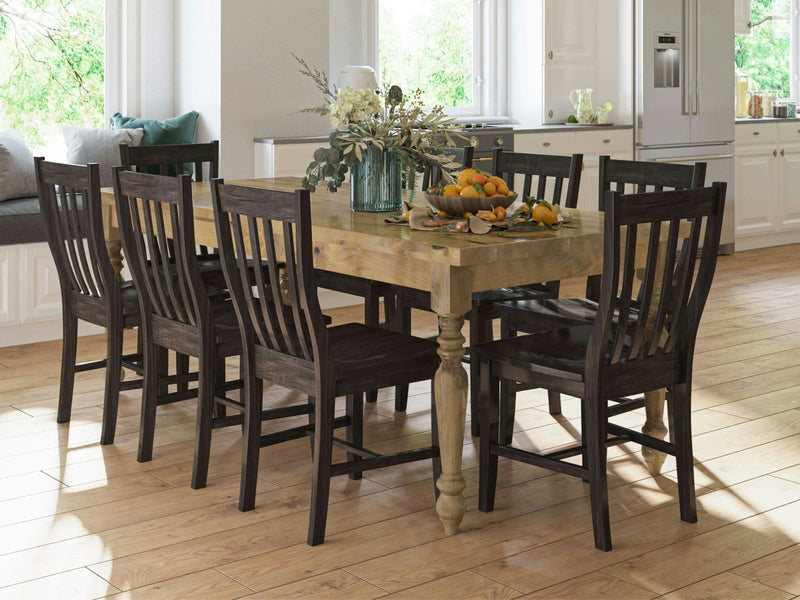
{"points": [[685, 60], [696, 57], [682, 159]]}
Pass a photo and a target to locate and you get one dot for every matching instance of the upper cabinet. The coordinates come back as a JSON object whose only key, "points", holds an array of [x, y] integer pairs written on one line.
{"points": [[556, 46], [741, 23]]}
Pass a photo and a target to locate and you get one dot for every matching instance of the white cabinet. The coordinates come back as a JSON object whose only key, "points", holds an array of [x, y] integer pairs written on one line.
{"points": [[40, 291], [285, 160], [9, 284], [570, 51], [767, 184], [592, 143], [741, 18]]}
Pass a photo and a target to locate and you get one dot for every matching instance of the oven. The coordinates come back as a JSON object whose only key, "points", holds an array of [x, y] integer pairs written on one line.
{"points": [[485, 138]]}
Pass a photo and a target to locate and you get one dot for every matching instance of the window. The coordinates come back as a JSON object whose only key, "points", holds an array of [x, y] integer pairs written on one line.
{"points": [[445, 48], [52, 69], [765, 54]]}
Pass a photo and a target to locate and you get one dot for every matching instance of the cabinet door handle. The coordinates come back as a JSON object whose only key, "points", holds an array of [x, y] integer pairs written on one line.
{"points": [[550, 114], [756, 132], [774, 153], [781, 151], [606, 141], [545, 144], [550, 55]]}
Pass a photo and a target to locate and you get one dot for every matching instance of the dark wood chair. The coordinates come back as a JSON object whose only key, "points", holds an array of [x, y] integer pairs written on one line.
{"points": [[624, 176], [179, 311], [69, 197], [617, 355], [293, 347], [374, 291], [172, 160], [557, 180]]}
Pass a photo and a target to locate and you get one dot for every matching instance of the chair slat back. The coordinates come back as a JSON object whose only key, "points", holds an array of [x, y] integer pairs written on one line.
{"points": [[638, 177], [433, 171], [169, 159], [268, 227], [550, 172], [69, 200], [153, 210], [671, 290]]}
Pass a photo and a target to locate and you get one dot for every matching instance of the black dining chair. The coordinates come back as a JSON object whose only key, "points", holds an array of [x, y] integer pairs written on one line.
{"points": [[293, 348], [557, 179], [619, 353], [179, 311], [69, 200], [535, 314]]}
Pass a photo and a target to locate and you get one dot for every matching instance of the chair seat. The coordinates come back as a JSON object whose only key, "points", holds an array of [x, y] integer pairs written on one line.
{"points": [[533, 316], [363, 355]]}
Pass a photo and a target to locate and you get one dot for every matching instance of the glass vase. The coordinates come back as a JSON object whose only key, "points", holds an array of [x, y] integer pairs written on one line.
{"points": [[376, 182]]}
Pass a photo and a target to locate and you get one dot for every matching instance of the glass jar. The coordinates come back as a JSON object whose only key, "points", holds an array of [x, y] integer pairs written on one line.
{"points": [[741, 85], [755, 105]]}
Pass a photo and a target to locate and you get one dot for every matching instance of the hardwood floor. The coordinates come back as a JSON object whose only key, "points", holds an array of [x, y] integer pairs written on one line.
{"points": [[79, 520]]}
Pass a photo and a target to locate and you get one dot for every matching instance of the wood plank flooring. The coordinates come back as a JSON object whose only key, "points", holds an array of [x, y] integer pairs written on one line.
{"points": [[79, 520]]}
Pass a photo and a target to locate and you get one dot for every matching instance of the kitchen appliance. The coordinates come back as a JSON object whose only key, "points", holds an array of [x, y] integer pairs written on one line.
{"points": [[684, 106], [484, 139]]}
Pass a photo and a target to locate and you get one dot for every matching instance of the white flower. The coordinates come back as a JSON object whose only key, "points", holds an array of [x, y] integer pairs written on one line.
{"points": [[353, 106]]}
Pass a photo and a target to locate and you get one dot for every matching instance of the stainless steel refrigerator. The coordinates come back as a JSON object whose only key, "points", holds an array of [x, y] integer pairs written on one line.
{"points": [[684, 89]]}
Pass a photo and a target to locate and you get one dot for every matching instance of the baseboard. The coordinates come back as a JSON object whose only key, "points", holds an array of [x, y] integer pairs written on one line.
{"points": [[43, 331], [767, 240]]}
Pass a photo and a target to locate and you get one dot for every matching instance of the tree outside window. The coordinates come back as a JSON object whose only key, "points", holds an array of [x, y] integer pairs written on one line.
{"points": [[764, 54], [51, 66]]}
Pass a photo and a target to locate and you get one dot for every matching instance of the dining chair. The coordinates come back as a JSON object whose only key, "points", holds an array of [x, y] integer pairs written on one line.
{"points": [[534, 315], [374, 291], [172, 160], [557, 179], [179, 311], [293, 347], [619, 353], [69, 199]]}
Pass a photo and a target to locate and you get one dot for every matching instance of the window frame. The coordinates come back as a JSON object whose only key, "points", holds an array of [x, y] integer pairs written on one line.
{"points": [[489, 60]]}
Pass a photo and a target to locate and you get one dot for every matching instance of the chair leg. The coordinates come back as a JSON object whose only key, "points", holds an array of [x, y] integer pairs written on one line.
{"points": [[480, 331], [205, 412], [437, 460], [321, 483], [508, 391], [114, 335], [152, 358], [69, 350], [489, 416], [252, 396], [355, 431], [220, 410], [595, 416], [372, 311], [682, 424], [182, 368], [554, 402], [403, 324]]}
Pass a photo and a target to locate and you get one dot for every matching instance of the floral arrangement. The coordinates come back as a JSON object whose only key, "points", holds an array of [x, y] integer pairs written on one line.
{"points": [[390, 122]]}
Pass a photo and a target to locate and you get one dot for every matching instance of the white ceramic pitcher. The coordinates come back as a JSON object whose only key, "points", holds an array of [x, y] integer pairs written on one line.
{"points": [[582, 103]]}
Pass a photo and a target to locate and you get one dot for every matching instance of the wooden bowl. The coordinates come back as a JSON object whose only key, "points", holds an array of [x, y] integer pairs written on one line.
{"points": [[456, 205]]}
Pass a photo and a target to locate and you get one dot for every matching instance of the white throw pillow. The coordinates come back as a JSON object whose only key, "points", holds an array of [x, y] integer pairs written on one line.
{"points": [[99, 146], [17, 173]]}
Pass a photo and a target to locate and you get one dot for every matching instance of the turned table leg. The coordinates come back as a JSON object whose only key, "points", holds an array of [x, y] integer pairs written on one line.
{"points": [[451, 298], [654, 426]]}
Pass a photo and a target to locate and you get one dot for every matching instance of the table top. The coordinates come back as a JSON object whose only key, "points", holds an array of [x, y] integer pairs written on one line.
{"points": [[362, 244]]}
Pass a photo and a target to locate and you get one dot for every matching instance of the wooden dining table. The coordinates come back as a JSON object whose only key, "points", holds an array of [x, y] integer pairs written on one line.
{"points": [[451, 266]]}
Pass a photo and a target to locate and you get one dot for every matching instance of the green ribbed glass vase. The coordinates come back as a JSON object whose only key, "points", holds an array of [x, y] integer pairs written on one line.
{"points": [[376, 182]]}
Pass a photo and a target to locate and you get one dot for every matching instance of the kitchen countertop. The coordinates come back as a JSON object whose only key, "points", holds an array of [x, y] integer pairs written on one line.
{"points": [[515, 127], [740, 121]]}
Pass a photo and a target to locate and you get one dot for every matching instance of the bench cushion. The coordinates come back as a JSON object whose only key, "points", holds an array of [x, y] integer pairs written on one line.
{"points": [[20, 221]]}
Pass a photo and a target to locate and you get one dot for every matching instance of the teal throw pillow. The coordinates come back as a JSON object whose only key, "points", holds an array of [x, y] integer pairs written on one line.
{"points": [[177, 130]]}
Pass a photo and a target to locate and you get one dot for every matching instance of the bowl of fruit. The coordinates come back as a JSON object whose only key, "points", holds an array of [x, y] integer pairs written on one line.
{"points": [[472, 191]]}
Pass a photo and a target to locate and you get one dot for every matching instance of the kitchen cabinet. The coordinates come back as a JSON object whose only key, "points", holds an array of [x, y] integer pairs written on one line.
{"points": [[30, 296], [592, 143], [767, 184], [741, 16]]}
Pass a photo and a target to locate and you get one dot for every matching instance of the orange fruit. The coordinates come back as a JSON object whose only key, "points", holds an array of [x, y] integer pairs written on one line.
{"points": [[406, 215], [489, 188], [441, 213], [467, 215], [470, 192], [465, 177], [450, 190], [544, 213], [479, 178], [502, 188], [496, 181], [500, 212]]}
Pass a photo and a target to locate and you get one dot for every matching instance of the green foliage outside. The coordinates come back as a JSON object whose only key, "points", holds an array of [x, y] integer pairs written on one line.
{"points": [[428, 44], [764, 53], [51, 65]]}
